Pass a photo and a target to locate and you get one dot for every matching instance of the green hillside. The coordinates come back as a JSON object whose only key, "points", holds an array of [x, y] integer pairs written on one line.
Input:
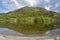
{"points": [[30, 20]]}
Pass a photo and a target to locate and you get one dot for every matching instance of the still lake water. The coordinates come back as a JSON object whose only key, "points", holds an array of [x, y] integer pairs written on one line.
{"points": [[6, 31], [53, 32]]}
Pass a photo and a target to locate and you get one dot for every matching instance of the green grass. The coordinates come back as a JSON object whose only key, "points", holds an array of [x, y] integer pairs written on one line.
{"points": [[30, 20]]}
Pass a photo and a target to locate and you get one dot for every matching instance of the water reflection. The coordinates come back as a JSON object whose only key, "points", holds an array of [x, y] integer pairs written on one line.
{"points": [[6, 31], [53, 32]]}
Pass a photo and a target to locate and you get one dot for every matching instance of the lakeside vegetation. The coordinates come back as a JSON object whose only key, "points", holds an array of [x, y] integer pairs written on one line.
{"points": [[30, 20]]}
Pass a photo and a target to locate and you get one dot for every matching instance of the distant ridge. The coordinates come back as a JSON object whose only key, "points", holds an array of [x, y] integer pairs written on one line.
{"points": [[31, 20]]}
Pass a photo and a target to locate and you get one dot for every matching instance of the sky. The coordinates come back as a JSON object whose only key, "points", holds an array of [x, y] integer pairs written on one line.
{"points": [[10, 5]]}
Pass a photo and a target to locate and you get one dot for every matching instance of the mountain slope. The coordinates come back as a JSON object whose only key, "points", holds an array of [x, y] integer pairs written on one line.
{"points": [[30, 20], [33, 11]]}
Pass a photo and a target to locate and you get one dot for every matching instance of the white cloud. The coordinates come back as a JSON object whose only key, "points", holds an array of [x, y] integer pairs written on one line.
{"points": [[7, 5], [19, 4], [56, 10], [56, 5], [47, 4], [16, 2], [47, 1], [31, 2], [48, 7]]}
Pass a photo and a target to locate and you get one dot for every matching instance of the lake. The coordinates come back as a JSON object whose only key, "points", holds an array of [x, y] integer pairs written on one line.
{"points": [[6, 31], [53, 32]]}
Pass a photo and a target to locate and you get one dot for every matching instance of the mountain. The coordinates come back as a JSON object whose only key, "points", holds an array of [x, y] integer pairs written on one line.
{"points": [[30, 20]]}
